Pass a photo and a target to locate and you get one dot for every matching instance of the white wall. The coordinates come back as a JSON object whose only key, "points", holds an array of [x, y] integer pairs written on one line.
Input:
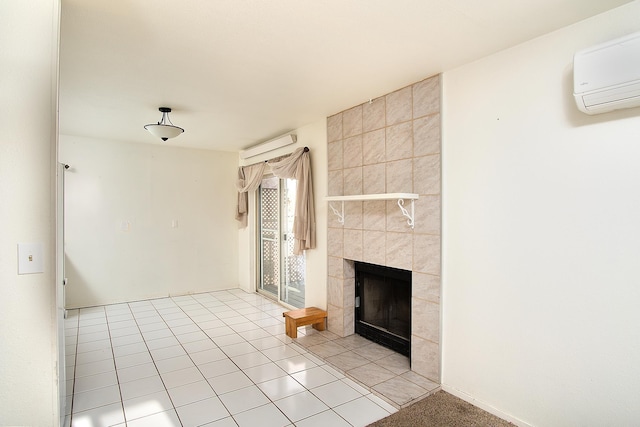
{"points": [[541, 209], [28, 340], [120, 203], [313, 136]]}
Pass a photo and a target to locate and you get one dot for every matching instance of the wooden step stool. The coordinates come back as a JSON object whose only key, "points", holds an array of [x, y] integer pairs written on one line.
{"points": [[302, 317]]}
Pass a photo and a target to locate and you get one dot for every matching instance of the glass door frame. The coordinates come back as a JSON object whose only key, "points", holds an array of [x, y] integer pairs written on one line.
{"points": [[260, 235], [283, 240]]}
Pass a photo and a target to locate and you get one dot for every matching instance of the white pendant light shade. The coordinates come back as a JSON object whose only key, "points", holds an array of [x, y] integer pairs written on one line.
{"points": [[164, 129]]}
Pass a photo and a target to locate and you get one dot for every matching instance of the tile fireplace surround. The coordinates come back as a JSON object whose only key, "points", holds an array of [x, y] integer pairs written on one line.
{"points": [[388, 145]]}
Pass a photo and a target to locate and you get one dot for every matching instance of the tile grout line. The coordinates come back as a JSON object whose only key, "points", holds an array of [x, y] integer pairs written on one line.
{"points": [[186, 305], [144, 340], [115, 367], [232, 361]]}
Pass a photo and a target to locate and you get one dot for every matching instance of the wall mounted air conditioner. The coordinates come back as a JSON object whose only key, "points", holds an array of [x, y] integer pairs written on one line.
{"points": [[270, 145], [606, 77]]}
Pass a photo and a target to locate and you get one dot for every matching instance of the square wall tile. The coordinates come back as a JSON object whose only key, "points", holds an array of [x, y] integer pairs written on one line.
{"points": [[396, 221], [425, 319], [373, 147], [349, 269], [335, 295], [373, 114], [335, 267], [399, 250], [399, 141], [334, 155], [374, 247], [352, 151], [399, 176], [425, 287], [426, 97], [426, 249], [399, 106], [334, 127], [349, 293], [425, 358], [335, 242], [426, 178], [353, 215], [335, 183], [373, 179], [426, 135], [352, 181], [335, 319], [427, 215], [374, 215], [353, 244], [352, 122]]}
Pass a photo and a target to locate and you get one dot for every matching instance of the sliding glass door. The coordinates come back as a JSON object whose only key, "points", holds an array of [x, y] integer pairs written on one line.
{"points": [[280, 273]]}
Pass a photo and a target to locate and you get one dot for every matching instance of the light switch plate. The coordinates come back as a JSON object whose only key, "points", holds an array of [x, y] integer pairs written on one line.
{"points": [[30, 258]]}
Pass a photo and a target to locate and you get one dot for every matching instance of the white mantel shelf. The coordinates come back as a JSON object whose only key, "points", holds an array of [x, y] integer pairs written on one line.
{"points": [[383, 196], [401, 197]]}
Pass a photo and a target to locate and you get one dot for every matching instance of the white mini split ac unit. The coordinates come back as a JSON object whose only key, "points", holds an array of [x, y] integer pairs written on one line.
{"points": [[606, 77]]}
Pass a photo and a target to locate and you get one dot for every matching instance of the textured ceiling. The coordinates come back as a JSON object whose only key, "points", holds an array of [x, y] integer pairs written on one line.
{"points": [[238, 72]]}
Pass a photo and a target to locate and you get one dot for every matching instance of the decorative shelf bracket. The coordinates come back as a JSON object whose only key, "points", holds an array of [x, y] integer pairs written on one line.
{"points": [[411, 217], [339, 214]]}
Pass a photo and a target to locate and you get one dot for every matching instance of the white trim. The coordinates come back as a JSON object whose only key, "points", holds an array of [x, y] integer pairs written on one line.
{"points": [[267, 146], [383, 196], [484, 406]]}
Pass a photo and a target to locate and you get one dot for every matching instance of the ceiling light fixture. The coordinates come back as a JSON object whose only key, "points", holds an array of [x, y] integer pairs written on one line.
{"points": [[164, 129]]}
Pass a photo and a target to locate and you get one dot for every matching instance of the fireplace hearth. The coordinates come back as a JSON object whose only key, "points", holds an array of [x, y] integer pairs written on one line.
{"points": [[383, 306]]}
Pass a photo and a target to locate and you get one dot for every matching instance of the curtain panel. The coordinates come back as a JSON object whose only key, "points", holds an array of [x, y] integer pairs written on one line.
{"points": [[249, 178], [296, 166]]}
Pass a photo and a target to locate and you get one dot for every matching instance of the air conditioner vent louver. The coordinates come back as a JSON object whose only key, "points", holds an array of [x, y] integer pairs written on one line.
{"points": [[606, 77]]}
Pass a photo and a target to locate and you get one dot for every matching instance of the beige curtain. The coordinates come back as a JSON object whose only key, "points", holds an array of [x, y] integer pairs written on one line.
{"points": [[249, 178], [298, 166]]}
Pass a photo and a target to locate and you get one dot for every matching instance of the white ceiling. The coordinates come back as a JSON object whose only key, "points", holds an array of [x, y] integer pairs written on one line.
{"points": [[239, 72]]}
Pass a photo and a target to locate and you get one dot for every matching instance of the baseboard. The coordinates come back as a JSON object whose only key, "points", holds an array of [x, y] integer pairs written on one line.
{"points": [[484, 406]]}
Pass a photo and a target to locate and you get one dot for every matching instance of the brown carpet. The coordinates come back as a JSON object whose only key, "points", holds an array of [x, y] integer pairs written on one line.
{"points": [[441, 409]]}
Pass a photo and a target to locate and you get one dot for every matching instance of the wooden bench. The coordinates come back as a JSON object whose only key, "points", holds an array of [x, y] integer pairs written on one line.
{"points": [[302, 317]]}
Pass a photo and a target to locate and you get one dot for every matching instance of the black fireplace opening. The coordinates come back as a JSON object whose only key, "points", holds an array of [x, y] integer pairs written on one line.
{"points": [[383, 306]]}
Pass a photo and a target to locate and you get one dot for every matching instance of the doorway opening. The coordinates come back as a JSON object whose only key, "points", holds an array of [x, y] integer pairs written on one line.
{"points": [[280, 272]]}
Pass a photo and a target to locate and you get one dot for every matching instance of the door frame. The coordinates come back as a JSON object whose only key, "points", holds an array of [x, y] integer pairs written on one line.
{"points": [[255, 242], [60, 282]]}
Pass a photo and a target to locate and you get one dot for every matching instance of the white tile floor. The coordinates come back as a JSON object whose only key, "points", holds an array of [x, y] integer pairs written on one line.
{"points": [[214, 359]]}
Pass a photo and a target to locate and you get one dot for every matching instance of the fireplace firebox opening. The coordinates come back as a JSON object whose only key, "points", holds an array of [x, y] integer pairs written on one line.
{"points": [[383, 306]]}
